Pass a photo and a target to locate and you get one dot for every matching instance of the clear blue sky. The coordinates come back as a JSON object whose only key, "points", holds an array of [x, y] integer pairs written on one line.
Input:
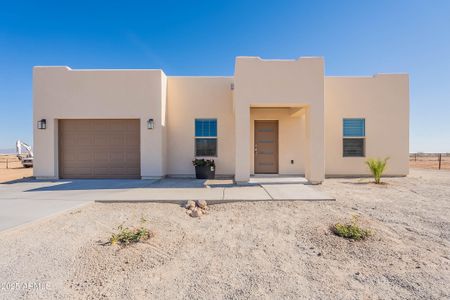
{"points": [[203, 38]]}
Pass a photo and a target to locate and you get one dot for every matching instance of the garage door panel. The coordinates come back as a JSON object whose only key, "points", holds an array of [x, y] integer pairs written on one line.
{"points": [[108, 172], [130, 171], [133, 164], [132, 140], [119, 125], [99, 171], [101, 157], [77, 126], [68, 156], [134, 127], [78, 171], [117, 140], [100, 140], [76, 157], [117, 156], [68, 139], [84, 140], [130, 156], [99, 148], [100, 125], [131, 149], [84, 156], [120, 163]]}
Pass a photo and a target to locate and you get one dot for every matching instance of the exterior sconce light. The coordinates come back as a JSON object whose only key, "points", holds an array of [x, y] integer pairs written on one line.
{"points": [[42, 124], [150, 124]]}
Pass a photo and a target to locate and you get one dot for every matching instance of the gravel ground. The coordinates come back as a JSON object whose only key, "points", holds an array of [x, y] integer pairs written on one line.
{"points": [[245, 250]]}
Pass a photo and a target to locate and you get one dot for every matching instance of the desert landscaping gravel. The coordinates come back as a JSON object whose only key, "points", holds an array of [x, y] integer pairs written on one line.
{"points": [[253, 250]]}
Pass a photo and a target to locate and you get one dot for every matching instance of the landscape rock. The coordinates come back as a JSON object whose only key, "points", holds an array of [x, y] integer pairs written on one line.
{"points": [[196, 213], [190, 205], [202, 204]]}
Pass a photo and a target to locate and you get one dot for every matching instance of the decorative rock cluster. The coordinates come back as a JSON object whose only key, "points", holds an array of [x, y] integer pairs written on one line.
{"points": [[197, 208]]}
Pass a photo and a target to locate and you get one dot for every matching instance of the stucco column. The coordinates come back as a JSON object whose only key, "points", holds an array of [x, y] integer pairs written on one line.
{"points": [[242, 143], [315, 161], [45, 149]]}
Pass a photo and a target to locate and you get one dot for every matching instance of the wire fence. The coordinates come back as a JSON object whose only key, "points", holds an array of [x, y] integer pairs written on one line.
{"points": [[10, 162], [439, 161]]}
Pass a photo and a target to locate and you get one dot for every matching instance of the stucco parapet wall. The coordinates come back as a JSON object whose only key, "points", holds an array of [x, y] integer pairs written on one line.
{"points": [[374, 76], [199, 77], [258, 58], [67, 68], [278, 82]]}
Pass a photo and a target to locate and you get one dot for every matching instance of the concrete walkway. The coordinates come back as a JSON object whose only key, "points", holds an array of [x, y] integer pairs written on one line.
{"points": [[24, 201]]}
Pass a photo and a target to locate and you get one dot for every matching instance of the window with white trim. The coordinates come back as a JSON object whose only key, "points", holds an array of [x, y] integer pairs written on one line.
{"points": [[206, 137], [354, 140]]}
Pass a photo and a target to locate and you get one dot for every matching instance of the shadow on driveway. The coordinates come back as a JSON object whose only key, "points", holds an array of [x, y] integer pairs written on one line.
{"points": [[121, 184], [165, 183]]}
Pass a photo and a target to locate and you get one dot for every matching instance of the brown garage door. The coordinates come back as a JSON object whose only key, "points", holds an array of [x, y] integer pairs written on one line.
{"points": [[99, 149]]}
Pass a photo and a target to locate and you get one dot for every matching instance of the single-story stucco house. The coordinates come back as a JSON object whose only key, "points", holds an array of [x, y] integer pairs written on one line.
{"points": [[271, 117]]}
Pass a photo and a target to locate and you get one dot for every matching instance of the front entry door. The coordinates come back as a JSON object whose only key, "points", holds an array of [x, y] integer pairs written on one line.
{"points": [[266, 147]]}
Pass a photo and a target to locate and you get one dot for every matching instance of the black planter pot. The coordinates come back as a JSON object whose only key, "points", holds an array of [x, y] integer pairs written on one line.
{"points": [[205, 172]]}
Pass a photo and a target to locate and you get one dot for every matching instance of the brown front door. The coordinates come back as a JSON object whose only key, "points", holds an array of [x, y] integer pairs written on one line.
{"points": [[266, 147]]}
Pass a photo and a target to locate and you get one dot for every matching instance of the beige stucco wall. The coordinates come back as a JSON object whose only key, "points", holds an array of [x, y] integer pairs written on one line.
{"points": [[291, 138], [280, 83], [263, 90], [199, 97], [383, 100], [62, 93]]}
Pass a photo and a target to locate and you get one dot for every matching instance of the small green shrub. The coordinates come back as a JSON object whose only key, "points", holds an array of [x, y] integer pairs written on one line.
{"points": [[126, 236], [351, 230], [377, 167]]}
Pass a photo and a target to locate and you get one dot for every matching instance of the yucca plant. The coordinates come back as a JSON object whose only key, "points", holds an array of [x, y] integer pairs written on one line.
{"points": [[377, 167]]}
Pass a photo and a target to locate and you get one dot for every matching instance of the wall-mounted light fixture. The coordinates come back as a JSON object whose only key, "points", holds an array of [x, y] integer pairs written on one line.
{"points": [[42, 124], [150, 124]]}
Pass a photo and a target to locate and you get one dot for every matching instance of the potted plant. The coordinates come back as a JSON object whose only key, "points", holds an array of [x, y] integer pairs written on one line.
{"points": [[204, 168]]}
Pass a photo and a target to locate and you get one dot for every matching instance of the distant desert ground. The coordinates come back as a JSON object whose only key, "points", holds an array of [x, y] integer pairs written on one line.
{"points": [[14, 170]]}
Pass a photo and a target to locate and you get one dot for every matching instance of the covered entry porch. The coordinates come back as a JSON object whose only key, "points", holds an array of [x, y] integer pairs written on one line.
{"points": [[283, 140], [278, 139], [292, 93]]}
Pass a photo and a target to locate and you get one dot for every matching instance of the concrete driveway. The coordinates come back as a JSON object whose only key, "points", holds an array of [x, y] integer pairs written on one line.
{"points": [[24, 201]]}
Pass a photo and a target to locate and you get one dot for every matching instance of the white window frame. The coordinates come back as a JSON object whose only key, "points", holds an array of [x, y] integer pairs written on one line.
{"points": [[206, 137], [363, 138]]}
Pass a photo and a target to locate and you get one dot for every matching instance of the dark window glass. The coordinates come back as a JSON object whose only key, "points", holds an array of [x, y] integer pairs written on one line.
{"points": [[205, 147], [354, 148]]}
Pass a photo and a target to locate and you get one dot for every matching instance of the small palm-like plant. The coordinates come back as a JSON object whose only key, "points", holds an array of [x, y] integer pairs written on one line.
{"points": [[377, 167]]}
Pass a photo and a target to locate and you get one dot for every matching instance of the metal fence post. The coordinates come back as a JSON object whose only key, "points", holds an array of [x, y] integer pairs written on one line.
{"points": [[7, 164], [440, 159]]}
